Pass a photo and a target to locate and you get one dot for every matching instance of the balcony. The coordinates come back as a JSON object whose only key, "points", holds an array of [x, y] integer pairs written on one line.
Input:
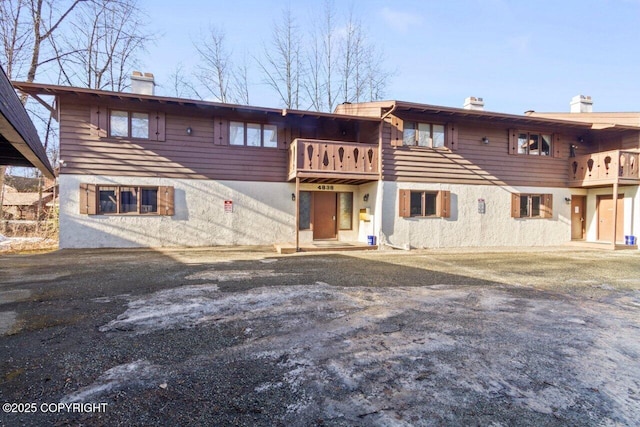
{"points": [[605, 168], [314, 160]]}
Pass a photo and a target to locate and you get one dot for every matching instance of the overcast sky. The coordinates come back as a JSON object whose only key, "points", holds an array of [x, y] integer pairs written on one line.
{"points": [[517, 55]]}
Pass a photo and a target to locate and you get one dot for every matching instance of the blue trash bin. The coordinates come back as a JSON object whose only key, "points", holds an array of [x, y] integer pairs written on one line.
{"points": [[371, 240]]}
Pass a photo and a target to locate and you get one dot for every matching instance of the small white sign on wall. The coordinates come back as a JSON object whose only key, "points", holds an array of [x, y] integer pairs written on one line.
{"points": [[228, 206], [482, 207]]}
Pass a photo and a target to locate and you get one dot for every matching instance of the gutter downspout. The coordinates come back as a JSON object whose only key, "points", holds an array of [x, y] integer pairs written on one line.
{"points": [[380, 203]]}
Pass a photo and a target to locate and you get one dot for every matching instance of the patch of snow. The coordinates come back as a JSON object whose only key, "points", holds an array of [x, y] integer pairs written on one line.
{"points": [[227, 275], [139, 372]]}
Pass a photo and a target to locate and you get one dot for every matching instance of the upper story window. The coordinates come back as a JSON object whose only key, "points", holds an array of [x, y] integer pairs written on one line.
{"points": [[423, 134], [533, 143], [253, 134], [127, 124]]}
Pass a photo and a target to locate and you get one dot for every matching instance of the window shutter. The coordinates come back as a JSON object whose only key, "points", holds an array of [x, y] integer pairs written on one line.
{"points": [[515, 205], [513, 143], [283, 141], [547, 208], [98, 123], [220, 131], [443, 204], [160, 126], [166, 201], [397, 128], [451, 137], [555, 145], [88, 199], [404, 203]]}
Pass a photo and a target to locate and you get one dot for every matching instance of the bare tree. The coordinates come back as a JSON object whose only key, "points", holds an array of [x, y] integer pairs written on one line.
{"points": [[321, 61], [241, 83], [215, 66], [101, 49], [281, 63], [15, 35]]}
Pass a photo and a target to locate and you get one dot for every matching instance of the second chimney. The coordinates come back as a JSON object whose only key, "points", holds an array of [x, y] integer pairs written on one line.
{"points": [[473, 103], [142, 84], [581, 104]]}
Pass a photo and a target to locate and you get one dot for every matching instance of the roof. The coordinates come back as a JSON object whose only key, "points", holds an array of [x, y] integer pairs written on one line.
{"points": [[19, 141], [24, 199], [398, 107], [598, 120], [55, 90]]}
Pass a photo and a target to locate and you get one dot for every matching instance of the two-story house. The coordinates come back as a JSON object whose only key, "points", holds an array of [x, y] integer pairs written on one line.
{"points": [[143, 170]]}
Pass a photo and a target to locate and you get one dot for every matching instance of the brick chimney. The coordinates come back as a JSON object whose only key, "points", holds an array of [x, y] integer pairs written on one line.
{"points": [[142, 84], [473, 103], [581, 104]]}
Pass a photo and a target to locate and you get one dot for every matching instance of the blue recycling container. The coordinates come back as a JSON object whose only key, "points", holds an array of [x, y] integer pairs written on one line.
{"points": [[371, 240]]}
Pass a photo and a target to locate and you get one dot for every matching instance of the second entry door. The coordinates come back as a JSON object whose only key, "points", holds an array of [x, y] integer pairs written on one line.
{"points": [[324, 215]]}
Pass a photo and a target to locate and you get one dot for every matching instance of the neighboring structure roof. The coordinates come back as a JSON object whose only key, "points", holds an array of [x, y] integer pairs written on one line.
{"points": [[398, 107], [598, 120], [19, 141], [36, 89], [24, 199]]}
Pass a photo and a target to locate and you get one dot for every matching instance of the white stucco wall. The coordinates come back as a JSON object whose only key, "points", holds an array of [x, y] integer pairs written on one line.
{"points": [[263, 214], [468, 227]]}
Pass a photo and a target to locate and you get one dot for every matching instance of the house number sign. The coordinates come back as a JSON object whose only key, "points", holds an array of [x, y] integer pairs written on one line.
{"points": [[325, 187]]}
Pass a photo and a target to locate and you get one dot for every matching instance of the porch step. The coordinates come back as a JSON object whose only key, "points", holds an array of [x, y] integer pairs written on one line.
{"points": [[599, 245], [290, 248]]}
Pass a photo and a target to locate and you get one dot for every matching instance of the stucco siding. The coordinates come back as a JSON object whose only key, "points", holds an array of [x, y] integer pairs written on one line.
{"points": [[263, 213], [467, 226]]}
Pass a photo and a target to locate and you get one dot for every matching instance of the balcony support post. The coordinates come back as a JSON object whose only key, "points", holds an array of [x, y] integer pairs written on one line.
{"points": [[297, 201], [615, 212]]}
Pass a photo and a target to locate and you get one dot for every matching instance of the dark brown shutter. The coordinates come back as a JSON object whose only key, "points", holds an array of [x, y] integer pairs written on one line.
{"points": [[283, 141], [515, 205], [513, 143], [88, 199], [555, 145], [397, 128], [443, 204], [404, 203], [547, 206], [166, 205], [99, 117], [160, 126], [451, 137], [220, 131]]}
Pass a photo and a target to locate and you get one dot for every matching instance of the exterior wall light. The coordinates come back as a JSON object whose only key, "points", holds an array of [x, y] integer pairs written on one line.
{"points": [[366, 197], [485, 140], [189, 131], [293, 197]]}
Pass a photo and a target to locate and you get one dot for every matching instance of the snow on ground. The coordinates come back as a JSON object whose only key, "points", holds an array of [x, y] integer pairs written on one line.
{"points": [[392, 356]]}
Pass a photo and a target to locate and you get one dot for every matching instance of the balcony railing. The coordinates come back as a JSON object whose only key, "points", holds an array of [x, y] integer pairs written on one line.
{"points": [[604, 168], [312, 158]]}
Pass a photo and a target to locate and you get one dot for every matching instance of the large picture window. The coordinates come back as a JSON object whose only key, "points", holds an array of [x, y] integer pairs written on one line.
{"points": [[253, 134], [531, 143]]}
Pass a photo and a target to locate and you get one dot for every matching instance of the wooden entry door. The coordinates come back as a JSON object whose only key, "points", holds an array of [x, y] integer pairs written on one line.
{"points": [[578, 217], [324, 215], [605, 218]]}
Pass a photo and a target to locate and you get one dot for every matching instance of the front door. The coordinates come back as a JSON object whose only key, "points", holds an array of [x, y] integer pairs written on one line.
{"points": [[578, 217], [605, 218], [324, 215]]}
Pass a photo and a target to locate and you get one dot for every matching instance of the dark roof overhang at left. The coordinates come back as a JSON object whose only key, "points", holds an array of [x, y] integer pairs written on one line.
{"points": [[37, 89], [19, 141]]}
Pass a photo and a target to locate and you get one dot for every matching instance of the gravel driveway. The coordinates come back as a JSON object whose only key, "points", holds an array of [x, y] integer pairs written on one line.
{"points": [[241, 336]]}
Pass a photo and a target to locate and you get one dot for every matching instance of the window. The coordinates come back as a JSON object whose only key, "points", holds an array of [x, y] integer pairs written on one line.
{"points": [[423, 134], [414, 203], [125, 200], [125, 124], [532, 206], [304, 198], [253, 134], [531, 143], [345, 211]]}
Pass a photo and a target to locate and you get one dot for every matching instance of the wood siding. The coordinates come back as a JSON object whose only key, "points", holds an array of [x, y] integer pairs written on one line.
{"points": [[205, 154], [475, 162]]}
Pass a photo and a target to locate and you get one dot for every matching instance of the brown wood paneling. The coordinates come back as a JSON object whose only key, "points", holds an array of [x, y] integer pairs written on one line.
{"points": [[475, 162]]}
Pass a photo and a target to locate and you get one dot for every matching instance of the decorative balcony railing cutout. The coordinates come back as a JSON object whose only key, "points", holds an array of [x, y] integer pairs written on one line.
{"points": [[333, 157], [604, 167]]}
